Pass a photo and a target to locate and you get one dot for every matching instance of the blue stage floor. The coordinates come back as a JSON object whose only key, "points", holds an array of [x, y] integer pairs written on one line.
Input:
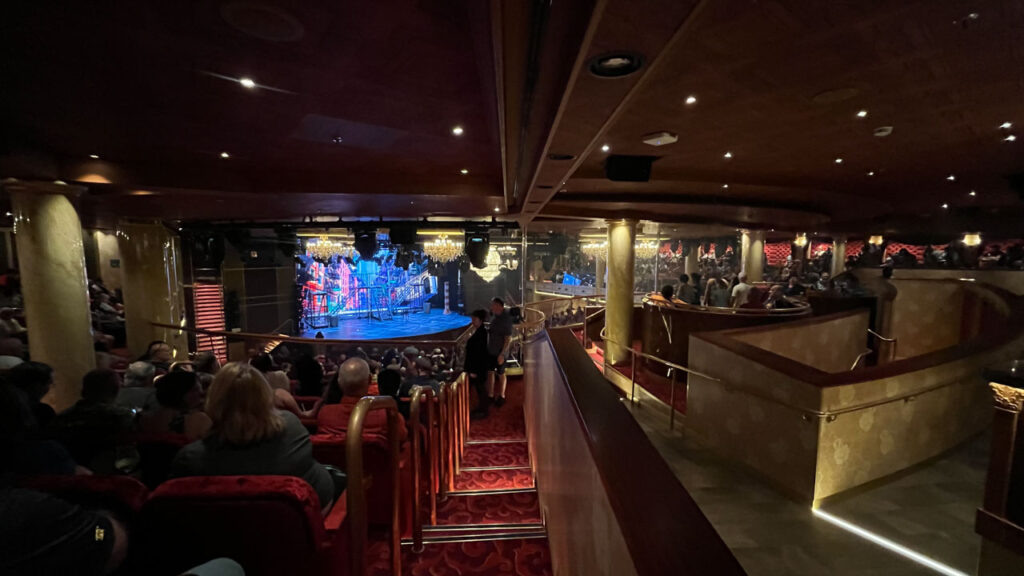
{"points": [[403, 326]]}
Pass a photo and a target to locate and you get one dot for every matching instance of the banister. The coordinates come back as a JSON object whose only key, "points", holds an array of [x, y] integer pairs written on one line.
{"points": [[420, 393], [444, 454], [356, 489], [880, 337], [860, 357], [302, 340], [655, 358]]}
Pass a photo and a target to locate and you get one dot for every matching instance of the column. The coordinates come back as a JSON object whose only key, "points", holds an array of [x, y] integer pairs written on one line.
{"points": [[691, 263], [56, 296], [619, 301], [752, 247], [599, 265], [838, 255], [152, 286]]}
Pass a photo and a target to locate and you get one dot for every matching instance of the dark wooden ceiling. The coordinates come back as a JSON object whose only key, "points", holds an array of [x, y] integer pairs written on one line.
{"points": [[778, 84]]}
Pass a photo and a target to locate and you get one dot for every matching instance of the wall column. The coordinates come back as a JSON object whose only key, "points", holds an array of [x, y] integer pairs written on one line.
{"points": [[52, 261], [691, 262], [152, 288], [599, 268], [619, 311], [838, 255], [752, 247]]}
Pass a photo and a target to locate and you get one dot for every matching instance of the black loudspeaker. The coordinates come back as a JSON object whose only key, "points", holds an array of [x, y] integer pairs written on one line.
{"points": [[402, 235], [628, 168], [365, 242], [477, 245], [1017, 183]]}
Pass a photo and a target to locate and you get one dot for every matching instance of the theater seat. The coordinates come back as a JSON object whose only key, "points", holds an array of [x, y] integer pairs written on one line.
{"points": [[156, 453], [122, 495], [271, 525]]}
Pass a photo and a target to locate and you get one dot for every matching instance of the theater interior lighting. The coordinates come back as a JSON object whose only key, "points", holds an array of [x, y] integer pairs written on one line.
{"points": [[606, 148], [463, 171], [972, 240], [800, 240], [691, 100], [862, 114], [951, 177], [225, 155], [94, 156], [727, 155], [247, 82], [1010, 138], [1006, 125], [945, 206], [457, 130], [839, 160], [972, 193], [725, 186], [888, 544], [871, 173], [876, 240]]}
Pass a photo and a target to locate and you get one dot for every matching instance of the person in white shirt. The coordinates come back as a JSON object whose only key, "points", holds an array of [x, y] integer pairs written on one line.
{"points": [[9, 325], [740, 291]]}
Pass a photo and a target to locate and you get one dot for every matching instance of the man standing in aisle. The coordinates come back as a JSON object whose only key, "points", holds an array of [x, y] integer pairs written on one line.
{"points": [[499, 338]]}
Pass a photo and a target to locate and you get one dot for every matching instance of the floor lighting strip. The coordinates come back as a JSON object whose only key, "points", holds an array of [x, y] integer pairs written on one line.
{"points": [[888, 544]]}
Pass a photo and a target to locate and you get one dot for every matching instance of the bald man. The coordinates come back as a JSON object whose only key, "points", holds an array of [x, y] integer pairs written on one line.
{"points": [[354, 380]]}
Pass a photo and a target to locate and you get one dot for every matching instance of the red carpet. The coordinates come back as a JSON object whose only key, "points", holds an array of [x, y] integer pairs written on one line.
{"points": [[520, 557], [656, 384], [505, 479], [505, 423], [515, 508], [509, 454]]}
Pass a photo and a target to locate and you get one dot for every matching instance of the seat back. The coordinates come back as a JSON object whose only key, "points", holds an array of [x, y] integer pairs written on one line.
{"points": [[271, 525], [330, 449], [156, 453], [123, 495]]}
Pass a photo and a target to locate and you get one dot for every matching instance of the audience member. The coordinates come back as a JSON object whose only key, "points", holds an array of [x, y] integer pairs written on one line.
{"points": [[477, 363], [138, 392], [717, 292], [777, 299], [34, 379], [249, 436], [499, 339], [794, 288], [740, 291], [158, 353], [22, 450], [354, 383], [9, 325], [12, 353], [179, 411], [95, 428], [310, 375], [206, 366]]}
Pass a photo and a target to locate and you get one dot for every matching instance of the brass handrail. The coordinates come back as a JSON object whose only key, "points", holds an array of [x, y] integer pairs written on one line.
{"points": [[892, 354], [798, 309], [605, 337], [880, 337], [303, 340], [444, 454], [416, 430], [860, 357], [357, 490]]}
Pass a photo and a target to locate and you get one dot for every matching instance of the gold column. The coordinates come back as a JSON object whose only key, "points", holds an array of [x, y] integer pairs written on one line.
{"points": [[691, 263], [599, 264], [619, 312], [752, 246], [838, 255], [151, 263], [52, 260]]}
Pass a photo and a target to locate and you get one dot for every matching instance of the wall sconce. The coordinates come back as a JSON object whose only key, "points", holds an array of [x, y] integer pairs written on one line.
{"points": [[972, 240], [800, 240], [876, 240]]}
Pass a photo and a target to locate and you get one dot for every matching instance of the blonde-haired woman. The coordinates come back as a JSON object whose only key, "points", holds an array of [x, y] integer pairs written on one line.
{"points": [[249, 436]]}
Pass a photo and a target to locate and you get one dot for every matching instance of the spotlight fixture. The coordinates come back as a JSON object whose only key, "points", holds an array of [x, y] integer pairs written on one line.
{"points": [[457, 130], [660, 138], [691, 100], [94, 156], [862, 114], [945, 206], [727, 155], [337, 139], [972, 193], [1010, 138], [225, 155], [606, 148], [477, 245], [365, 242], [497, 209], [871, 173], [839, 160], [951, 177], [463, 171], [247, 82], [1006, 125], [725, 186], [615, 64]]}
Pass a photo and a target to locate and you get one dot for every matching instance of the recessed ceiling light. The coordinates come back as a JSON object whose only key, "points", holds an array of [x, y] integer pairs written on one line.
{"points": [[94, 156], [463, 171], [605, 148], [615, 64], [1010, 138], [725, 185], [8, 214], [337, 139], [1006, 125], [972, 193], [862, 114], [457, 130], [871, 173], [945, 206], [496, 209], [727, 155], [225, 155], [691, 100], [951, 177], [247, 82], [839, 160]]}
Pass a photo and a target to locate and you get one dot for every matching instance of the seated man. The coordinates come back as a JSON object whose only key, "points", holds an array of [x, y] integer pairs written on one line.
{"points": [[389, 383], [138, 392], [354, 380], [777, 299], [95, 427], [422, 374]]}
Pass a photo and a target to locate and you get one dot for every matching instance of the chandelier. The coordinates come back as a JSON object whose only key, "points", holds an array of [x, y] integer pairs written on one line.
{"points": [[594, 249], [645, 250], [442, 249], [324, 248], [493, 268]]}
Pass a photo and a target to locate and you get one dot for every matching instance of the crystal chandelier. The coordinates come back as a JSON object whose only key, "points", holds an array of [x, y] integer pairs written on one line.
{"points": [[645, 250], [493, 268], [594, 249], [324, 249], [442, 249]]}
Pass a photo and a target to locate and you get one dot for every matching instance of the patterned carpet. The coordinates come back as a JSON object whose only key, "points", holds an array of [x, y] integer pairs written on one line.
{"points": [[499, 533]]}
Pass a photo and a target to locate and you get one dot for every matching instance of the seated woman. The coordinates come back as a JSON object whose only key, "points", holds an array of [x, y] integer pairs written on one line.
{"points": [[180, 409], [353, 383], [34, 379], [250, 437], [281, 386]]}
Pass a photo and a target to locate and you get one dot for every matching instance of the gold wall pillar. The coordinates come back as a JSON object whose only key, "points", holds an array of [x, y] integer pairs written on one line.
{"points": [[619, 299], [838, 255], [151, 276], [53, 282], [691, 263], [599, 269], [752, 247]]}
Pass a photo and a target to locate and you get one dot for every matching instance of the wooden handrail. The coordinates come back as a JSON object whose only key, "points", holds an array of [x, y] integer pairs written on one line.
{"points": [[416, 429], [356, 488], [298, 339]]}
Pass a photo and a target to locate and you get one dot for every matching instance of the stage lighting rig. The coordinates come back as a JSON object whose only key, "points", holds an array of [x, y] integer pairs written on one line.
{"points": [[365, 242], [478, 244]]}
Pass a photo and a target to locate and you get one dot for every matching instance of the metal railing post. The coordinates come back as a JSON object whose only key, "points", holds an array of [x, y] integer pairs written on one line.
{"points": [[632, 375], [672, 403]]}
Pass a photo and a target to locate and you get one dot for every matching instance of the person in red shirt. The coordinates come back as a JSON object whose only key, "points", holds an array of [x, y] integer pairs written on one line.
{"points": [[354, 381]]}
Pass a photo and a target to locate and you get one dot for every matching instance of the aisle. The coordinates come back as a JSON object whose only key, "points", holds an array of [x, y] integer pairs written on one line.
{"points": [[491, 524]]}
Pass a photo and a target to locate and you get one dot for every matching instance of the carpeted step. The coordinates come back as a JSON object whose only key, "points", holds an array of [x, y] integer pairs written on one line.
{"points": [[507, 454], [509, 508], [494, 479], [516, 556]]}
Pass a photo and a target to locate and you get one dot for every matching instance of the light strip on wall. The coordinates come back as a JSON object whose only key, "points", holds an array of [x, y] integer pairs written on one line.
{"points": [[888, 544]]}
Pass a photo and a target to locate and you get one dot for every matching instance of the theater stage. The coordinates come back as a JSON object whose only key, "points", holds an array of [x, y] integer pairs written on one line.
{"points": [[415, 325]]}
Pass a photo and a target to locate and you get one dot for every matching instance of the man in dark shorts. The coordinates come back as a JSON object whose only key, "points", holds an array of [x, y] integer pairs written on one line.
{"points": [[499, 338]]}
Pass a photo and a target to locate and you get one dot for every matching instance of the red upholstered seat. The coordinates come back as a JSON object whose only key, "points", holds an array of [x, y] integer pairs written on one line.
{"points": [[271, 525], [156, 453], [121, 494]]}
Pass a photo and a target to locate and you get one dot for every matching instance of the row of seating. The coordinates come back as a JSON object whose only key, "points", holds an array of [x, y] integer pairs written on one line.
{"points": [[273, 525]]}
